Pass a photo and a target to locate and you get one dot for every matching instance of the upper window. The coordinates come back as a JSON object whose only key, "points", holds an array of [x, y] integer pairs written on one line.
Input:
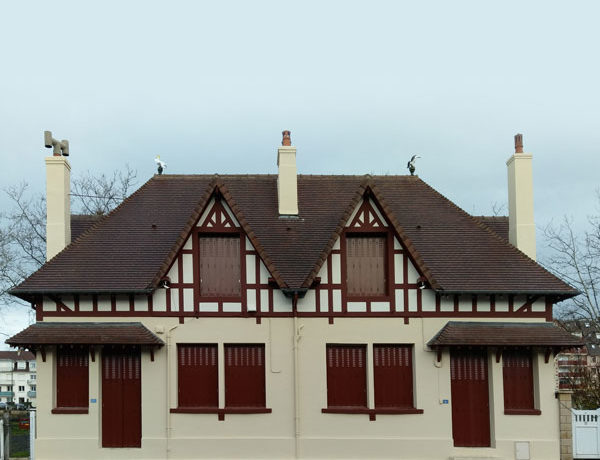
{"points": [[220, 266], [517, 369], [71, 378], [366, 265]]}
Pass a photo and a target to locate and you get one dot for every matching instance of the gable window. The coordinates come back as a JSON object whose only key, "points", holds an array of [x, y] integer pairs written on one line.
{"points": [[198, 382], [393, 376], [245, 375], [220, 266], [72, 381], [517, 370], [346, 376], [366, 265]]}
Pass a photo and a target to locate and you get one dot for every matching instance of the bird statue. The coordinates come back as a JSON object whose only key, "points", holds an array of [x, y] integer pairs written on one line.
{"points": [[411, 164], [161, 164]]}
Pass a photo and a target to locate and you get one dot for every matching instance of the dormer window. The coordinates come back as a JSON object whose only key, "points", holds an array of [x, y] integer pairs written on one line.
{"points": [[366, 265], [220, 265]]}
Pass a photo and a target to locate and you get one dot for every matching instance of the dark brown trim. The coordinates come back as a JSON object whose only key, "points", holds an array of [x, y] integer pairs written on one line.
{"points": [[221, 411], [522, 412], [69, 410], [372, 412]]}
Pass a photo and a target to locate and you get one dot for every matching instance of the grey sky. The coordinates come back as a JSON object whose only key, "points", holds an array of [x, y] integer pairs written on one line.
{"points": [[362, 87]]}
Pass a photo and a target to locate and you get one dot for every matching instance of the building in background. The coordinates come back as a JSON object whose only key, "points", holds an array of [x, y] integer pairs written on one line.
{"points": [[294, 316], [18, 381]]}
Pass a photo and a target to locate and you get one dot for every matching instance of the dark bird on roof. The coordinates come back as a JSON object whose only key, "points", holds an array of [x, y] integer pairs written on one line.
{"points": [[411, 164]]}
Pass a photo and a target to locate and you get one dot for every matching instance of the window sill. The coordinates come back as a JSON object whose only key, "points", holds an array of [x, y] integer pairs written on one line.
{"points": [[372, 413], [221, 411], [522, 412], [70, 410]]}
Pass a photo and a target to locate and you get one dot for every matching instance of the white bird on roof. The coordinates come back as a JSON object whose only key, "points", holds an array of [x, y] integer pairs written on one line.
{"points": [[161, 164], [411, 164]]}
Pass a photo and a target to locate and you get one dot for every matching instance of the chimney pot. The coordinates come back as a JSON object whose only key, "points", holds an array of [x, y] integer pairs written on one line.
{"points": [[519, 143], [286, 138]]}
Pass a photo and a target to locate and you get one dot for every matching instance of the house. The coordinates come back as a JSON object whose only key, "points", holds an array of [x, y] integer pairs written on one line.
{"points": [[17, 377], [585, 359], [294, 316]]}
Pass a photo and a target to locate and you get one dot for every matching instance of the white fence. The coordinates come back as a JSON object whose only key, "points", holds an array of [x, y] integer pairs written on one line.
{"points": [[586, 434]]}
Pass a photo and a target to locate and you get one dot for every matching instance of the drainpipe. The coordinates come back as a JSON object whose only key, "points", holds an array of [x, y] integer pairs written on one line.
{"points": [[168, 390], [297, 337]]}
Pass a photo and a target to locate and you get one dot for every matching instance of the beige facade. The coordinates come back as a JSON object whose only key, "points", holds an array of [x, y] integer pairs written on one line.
{"points": [[58, 205], [297, 428]]}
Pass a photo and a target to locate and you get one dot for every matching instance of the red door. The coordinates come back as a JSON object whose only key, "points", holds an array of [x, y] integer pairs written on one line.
{"points": [[470, 398], [121, 398]]}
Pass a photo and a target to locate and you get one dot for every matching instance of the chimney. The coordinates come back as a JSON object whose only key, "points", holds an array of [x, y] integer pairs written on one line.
{"points": [[58, 198], [287, 181], [521, 225]]}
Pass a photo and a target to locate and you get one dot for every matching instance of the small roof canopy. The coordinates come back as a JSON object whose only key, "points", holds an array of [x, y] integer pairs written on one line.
{"points": [[503, 334], [46, 333]]}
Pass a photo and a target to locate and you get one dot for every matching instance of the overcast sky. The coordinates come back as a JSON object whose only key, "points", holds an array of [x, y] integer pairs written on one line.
{"points": [[361, 85]]}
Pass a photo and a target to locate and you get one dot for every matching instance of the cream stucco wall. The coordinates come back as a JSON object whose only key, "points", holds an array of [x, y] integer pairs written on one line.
{"points": [[187, 436]]}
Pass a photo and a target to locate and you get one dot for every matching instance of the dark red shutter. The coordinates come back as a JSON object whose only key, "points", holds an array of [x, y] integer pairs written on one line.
{"points": [[72, 378], [220, 266], [121, 398], [198, 377], [392, 372], [365, 261], [517, 370], [470, 398], [245, 376], [346, 376]]}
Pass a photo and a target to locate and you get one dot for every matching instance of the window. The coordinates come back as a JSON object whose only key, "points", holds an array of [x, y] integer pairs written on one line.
{"points": [[346, 376], [198, 376], [366, 265], [71, 380], [32, 377], [220, 266], [21, 388], [245, 376], [392, 372], [517, 369], [33, 387], [32, 364]]}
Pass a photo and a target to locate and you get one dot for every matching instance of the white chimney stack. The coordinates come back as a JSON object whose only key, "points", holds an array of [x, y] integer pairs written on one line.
{"points": [[58, 196], [521, 225], [287, 180]]}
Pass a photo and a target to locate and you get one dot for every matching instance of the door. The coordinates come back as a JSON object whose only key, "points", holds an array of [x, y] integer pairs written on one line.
{"points": [[121, 398], [470, 398]]}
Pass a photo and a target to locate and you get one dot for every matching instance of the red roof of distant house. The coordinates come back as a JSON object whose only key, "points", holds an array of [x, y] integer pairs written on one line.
{"points": [[131, 249], [17, 355]]}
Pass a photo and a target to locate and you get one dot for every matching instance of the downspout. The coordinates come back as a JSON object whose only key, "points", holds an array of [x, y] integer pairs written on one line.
{"points": [[168, 411], [296, 377]]}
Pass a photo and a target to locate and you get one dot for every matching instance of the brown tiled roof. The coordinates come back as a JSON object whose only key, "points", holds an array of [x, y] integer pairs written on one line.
{"points": [[132, 247], [46, 333], [17, 355], [497, 224], [466, 333], [82, 222]]}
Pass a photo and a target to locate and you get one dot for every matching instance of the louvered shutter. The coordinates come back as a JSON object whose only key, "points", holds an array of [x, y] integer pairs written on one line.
{"points": [[219, 266], [365, 264], [72, 381], [392, 372], [198, 380], [517, 370], [346, 376], [245, 376]]}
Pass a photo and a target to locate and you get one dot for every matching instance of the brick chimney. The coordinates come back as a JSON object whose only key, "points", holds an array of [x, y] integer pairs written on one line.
{"points": [[521, 225], [287, 181], [58, 198]]}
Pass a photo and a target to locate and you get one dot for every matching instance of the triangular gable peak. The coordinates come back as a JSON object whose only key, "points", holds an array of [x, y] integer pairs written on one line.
{"points": [[367, 217], [218, 217]]}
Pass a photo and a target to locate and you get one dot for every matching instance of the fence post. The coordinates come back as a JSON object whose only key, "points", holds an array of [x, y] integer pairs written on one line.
{"points": [[32, 432], [566, 425], [1, 439]]}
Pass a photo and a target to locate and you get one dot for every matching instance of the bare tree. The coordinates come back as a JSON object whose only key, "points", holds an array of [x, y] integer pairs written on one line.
{"points": [[23, 228], [576, 259]]}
